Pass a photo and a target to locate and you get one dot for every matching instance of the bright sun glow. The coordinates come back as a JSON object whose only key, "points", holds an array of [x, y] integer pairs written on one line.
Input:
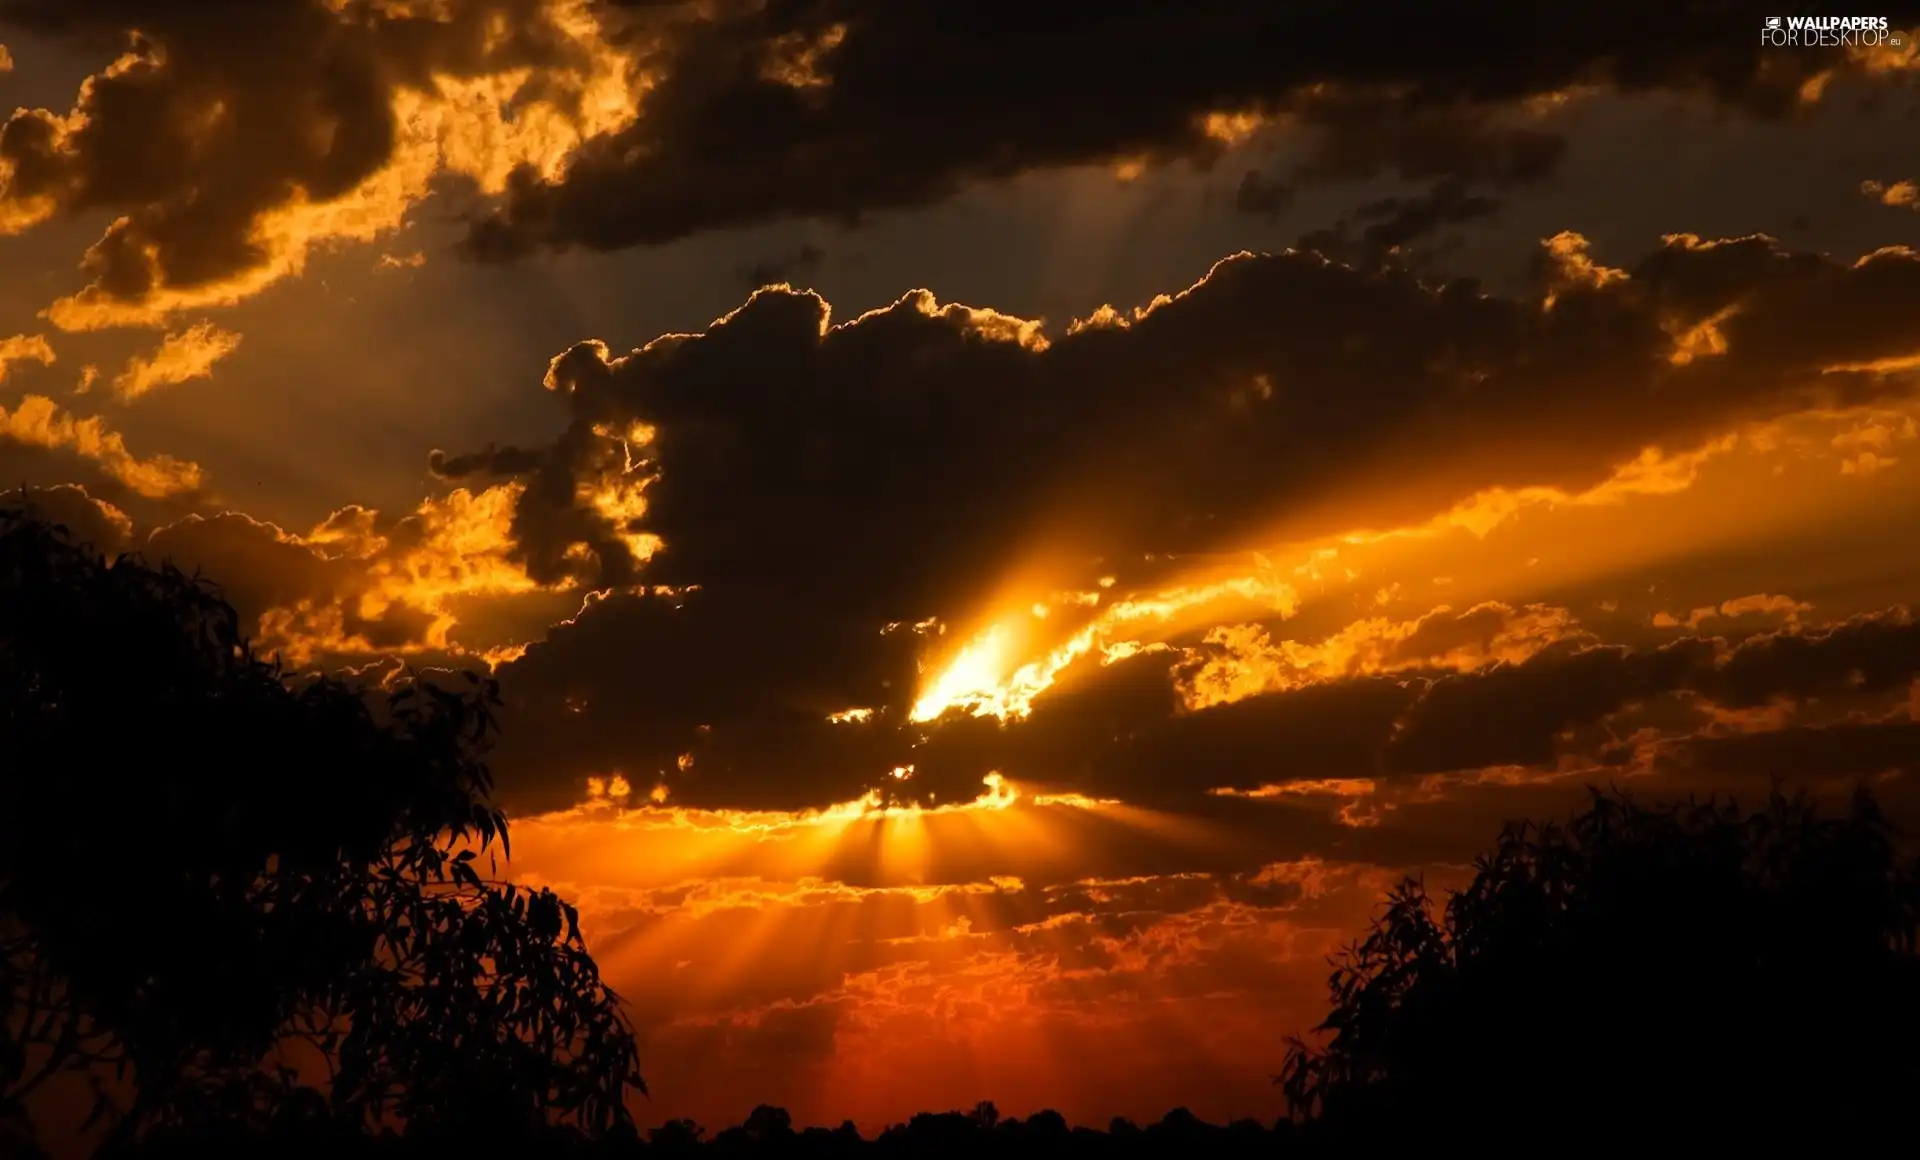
{"points": [[1000, 670], [984, 680]]}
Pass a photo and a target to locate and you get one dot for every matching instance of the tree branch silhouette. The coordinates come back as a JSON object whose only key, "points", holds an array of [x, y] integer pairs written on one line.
{"points": [[204, 863], [1684, 967]]}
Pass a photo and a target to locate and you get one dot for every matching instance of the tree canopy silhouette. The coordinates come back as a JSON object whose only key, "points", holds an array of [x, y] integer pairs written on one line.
{"points": [[227, 895], [1639, 972]]}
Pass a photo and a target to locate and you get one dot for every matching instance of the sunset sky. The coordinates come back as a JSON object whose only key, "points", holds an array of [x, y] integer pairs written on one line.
{"points": [[1001, 528]]}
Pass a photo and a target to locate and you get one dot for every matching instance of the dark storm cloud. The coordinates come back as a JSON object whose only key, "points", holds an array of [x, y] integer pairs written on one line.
{"points": [[1258, 195], [1358, 137], [257, 565], [224, 110], [1391, 224], [836, 108], [1518, 714], [1354, 136], [729, 680], [491, 460], [1321, 731], [1849, 751], [909, 444], [791, 266], [817, 483], [1395, 221], [361, 584], [1864, 652], [89, 521], [1512, 715]]}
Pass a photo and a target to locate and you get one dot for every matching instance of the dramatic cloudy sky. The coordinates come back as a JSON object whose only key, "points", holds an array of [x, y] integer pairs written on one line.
{"points": [[1001, 527]]}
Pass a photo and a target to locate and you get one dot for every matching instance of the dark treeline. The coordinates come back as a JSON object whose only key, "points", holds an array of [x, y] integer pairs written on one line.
{"points": [[252, 912], [769, 1131]]}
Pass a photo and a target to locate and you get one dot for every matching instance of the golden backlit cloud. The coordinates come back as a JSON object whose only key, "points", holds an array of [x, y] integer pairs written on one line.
{"points": [[38, 421], [182, 356], [471, 89], [361, 584], [443, 551], [22, 348], [1238, 661], [1759, 604], [88, 520], [998, 794], [1896, 54], [1899, 194]]}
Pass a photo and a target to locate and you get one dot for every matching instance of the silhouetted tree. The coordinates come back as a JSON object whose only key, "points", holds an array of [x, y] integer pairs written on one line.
{"points": [[676, 1137], [1641, 972], [258, 901], [767, 1122], [1045, 1125]]}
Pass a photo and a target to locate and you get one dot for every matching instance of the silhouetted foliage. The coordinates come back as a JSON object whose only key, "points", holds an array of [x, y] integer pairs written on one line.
{"points": [[768, 1132], [1639, 973], [241, 901]]}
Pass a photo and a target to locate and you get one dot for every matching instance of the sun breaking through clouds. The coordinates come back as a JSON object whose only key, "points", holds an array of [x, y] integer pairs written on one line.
{"points": [[996, 548]]}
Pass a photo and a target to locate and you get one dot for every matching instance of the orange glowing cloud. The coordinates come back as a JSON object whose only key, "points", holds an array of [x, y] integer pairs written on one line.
{"points": [[1895, 54], [1787, 609], [1572, 267], [1240, 661], [24, 348], [998, 794], [408, 574], [421, 586], [40, 422], [1899, 194], [180, 357], [411, 261], [478, 123]]}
